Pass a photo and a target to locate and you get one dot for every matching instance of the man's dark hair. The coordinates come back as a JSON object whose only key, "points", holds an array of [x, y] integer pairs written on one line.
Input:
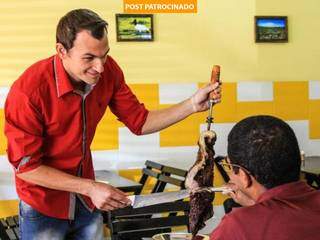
{"points": [[268, 148], [77, 20]]}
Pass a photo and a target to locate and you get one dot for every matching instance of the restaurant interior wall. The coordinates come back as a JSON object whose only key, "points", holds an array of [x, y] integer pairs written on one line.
{"points": [[281, 79]]}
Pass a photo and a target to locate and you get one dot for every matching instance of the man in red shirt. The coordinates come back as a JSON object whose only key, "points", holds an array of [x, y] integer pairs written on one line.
{"points": [[264, 166], [51, 113]]}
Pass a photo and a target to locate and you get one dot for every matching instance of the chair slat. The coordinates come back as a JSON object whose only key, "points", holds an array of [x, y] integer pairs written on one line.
{"points": [[3, 233], [150, 173], [4, 222], [16, 219], [11, 222], [17, 232], [133, 235], [175, 171], [171, 180], [159, 208], [151, 223], [11, 234], [152, 164]]}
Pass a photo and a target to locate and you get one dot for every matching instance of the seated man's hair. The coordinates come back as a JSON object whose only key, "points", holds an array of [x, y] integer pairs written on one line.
{"points": [[77, 20], [268, 148]]}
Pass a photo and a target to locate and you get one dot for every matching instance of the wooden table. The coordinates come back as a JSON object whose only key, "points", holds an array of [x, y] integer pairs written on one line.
{"points": [[311, 168], [7, 186], [116, 180]]}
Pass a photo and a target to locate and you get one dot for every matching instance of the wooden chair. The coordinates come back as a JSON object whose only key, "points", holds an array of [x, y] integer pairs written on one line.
{"points": [[129, 223], [162, 175], [134, 224], [150, 171], [9, 228]]}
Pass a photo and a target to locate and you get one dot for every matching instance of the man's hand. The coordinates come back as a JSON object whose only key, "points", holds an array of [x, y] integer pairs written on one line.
{"points": [[105, 197], [200, 99], [239, 196]]}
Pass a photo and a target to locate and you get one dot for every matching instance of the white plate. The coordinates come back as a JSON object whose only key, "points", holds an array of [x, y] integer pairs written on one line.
{"points": [[177, 236]]}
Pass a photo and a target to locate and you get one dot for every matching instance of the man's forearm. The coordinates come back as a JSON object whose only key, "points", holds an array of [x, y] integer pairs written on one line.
{"points": [[55, 179], [160, 119]]}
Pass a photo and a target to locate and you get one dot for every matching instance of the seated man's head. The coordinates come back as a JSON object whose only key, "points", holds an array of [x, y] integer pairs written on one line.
{"points": [[267, 151]]}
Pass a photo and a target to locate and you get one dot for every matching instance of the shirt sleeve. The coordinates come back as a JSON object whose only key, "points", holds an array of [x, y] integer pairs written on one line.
{"points": [[126, 106], [24, 131]]}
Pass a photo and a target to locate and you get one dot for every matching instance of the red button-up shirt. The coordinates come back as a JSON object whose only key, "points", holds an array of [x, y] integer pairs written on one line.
{"points": [[48, 122], [287, 212]]}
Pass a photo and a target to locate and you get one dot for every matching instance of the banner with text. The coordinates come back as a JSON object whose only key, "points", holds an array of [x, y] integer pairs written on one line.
{"points": [[160, 6]]}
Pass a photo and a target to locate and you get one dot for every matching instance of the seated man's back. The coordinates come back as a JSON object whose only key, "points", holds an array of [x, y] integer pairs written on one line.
{"points": [[264, 166], [290, 211]]}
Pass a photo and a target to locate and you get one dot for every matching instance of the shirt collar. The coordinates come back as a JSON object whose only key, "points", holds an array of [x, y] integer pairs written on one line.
{"points": [[88, 88], [61, 77], [285, 190]]}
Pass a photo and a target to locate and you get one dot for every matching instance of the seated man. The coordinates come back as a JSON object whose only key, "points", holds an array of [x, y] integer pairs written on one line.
{"points": [[264, 165]]}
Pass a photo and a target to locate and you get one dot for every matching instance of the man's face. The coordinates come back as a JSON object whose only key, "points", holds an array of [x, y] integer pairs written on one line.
{"points": [[85, 60], [233, 172], [234, 178]]}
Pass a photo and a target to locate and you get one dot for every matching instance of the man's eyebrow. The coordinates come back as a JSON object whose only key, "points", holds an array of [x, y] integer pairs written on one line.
{"points": [[92, 55]]}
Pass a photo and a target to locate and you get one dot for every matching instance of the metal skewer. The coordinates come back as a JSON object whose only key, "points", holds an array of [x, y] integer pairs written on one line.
{"points": [[210, 118], [213, 189], [215, 77]]}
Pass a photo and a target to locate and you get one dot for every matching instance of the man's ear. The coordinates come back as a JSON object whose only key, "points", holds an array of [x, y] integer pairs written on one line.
{"points": [[245, 178], [61, 51]]}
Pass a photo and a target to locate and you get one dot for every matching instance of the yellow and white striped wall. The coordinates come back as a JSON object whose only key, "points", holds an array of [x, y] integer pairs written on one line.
{"points": [[116, 148], [298, 103]]}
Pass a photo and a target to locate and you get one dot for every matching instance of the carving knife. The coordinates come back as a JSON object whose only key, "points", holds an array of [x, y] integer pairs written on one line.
{"points": [[164, 197]]}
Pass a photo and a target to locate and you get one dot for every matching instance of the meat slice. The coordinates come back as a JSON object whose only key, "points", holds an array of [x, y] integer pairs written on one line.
{"points": [[201, 175]]}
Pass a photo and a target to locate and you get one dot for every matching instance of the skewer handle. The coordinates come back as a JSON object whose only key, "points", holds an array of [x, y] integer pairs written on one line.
{"points": [[215, 76]]}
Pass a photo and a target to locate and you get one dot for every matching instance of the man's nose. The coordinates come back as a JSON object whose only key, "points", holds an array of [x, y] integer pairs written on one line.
{"points": [[99, 65]]}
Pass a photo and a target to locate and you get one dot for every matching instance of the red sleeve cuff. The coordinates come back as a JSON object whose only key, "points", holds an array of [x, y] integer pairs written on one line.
{"points": [[27, 164]]}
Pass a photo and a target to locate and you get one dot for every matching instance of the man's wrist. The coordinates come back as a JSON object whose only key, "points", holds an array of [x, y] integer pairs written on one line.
{"points": [[193, 105], [86, 186]]}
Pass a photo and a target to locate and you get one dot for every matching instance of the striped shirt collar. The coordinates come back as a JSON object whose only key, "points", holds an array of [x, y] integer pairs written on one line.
{"points": [[63, 83]]}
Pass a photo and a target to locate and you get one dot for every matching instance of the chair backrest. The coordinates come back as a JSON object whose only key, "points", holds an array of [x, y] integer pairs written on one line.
{"points": [[9, 228], [171, 175], [162, 176], [134, 224], [129, 223], [150, 171]]}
